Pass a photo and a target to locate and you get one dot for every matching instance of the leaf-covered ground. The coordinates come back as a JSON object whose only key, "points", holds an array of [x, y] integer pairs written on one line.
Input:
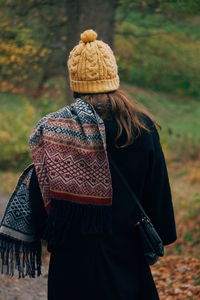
{"points": [[12, 288], [176, 277]]}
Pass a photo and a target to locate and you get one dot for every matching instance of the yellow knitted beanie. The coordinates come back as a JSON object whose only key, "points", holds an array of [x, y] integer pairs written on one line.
{"points": [[92, 66]]}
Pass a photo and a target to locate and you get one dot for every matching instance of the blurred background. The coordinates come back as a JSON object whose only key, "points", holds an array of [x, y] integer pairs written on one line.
{"points": [[157, 46]]}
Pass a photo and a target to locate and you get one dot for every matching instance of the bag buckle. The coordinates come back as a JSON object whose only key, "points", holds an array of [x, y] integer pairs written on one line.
{"points": [[144, 218]]}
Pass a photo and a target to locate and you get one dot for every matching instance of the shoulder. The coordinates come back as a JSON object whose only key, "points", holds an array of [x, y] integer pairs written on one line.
{"points": [[146, 120], [150, 124]]}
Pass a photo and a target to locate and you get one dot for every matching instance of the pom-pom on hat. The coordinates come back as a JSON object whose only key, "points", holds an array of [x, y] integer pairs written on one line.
{"points": [[92, 66]]}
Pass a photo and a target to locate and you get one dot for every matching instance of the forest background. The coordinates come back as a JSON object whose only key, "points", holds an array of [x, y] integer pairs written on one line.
{"points": [[157, 46]]}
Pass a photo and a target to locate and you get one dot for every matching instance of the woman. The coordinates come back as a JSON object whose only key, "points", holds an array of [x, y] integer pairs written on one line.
{"points": [[95, 247]]}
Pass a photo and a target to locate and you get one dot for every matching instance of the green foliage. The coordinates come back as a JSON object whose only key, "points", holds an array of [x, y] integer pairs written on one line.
{"points": [[179, 7], [178, 249], [32, 44], [171, 8], [188, 237], [20, 54], [159, 54], [18, 116], [15, 122]]}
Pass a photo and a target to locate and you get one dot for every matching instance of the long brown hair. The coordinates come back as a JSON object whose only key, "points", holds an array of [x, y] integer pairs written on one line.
{"points": [[125, 111]]}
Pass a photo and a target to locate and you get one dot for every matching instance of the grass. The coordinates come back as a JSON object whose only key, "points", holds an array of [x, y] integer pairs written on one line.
{"points": [[181, 115], [179, 118], [15, 103]]}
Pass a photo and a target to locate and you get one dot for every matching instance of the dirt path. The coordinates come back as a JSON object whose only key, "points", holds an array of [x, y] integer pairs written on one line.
{"points": [[12, 288]]}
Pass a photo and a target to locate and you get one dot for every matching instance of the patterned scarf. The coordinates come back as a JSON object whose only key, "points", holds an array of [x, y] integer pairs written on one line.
{"points": [[69, 154]]}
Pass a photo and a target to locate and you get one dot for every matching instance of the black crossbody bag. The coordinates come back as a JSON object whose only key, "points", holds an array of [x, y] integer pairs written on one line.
{"points": [[151, 242]]}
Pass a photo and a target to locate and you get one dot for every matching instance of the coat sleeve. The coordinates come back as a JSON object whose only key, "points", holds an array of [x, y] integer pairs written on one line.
{"points": [[158, 199]]}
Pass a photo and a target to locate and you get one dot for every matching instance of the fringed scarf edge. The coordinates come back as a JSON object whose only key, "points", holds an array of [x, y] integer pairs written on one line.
{"points": [[21, 256]]}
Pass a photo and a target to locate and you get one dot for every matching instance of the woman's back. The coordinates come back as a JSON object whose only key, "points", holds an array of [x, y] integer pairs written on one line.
{"points": [[112, 265], [143, 165]]}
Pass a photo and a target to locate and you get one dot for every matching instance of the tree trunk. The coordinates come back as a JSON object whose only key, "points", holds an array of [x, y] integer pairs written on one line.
{"points": [[89, 14]]}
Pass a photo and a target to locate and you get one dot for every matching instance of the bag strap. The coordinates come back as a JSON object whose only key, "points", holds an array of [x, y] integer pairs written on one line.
{"points": [[126, 184]]}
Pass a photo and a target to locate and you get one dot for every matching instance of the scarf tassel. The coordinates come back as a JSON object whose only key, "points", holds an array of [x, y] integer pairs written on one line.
{"points": [[71, 219], [21, 256]]}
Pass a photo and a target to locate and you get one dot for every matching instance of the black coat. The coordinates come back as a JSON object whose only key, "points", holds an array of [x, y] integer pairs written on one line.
{"points": [[112, 266]]}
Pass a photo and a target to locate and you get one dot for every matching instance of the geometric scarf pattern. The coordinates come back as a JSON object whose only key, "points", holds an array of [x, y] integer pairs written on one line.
{"points": [[20, 248], [69, 153], [69, 156], [17, 217]]}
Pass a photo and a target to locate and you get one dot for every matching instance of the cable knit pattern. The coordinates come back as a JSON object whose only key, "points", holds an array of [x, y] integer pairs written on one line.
{"points": [[92, 66]]}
